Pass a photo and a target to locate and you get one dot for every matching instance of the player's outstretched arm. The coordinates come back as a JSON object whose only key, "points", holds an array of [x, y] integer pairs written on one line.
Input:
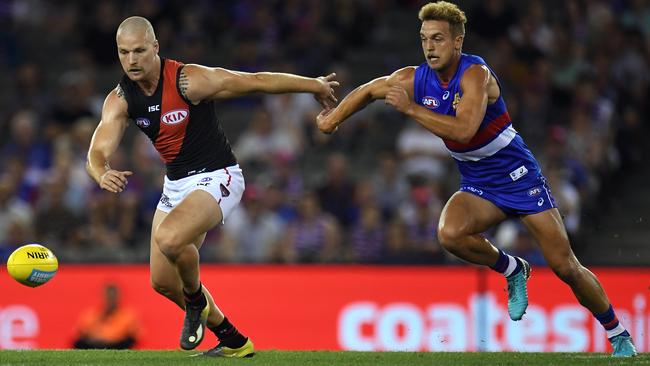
{"points": [[105, 141], [329, 120], [199, 83]]}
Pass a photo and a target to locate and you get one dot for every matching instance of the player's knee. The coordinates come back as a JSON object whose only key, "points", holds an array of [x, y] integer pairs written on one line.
{"points": [[168, 242], [449, 237]]}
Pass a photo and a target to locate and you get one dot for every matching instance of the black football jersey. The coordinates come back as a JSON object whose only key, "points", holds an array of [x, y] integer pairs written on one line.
{"points": [[188, 137]]}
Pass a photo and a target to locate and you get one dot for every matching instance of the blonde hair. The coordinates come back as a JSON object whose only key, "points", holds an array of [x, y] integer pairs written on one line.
{"points": [[446, 11]]}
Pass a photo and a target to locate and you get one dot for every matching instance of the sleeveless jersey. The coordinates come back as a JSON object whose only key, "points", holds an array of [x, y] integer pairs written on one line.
{"points": [[188, 137], [496, 156]]}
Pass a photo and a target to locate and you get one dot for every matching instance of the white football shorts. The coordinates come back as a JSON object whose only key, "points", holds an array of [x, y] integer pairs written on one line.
{"points": [[225, 185]]}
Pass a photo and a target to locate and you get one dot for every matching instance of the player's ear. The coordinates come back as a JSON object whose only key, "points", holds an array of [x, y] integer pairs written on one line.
{"points": [[458, 42], [156, 46]]}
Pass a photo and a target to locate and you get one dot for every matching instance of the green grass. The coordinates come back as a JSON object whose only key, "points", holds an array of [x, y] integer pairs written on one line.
{"points": [[169, 358]]}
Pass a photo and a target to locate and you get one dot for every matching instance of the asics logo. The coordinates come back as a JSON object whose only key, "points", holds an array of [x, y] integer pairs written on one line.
{"points": [[445, 96], [540, 202]]}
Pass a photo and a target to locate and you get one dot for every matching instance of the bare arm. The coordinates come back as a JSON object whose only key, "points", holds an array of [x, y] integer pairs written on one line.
{"points": [[105, 141], [365, 94], [469, 113], [199, 83]]}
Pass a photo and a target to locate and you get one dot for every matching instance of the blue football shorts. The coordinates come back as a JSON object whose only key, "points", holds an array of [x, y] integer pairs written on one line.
{"points": [[515, 199]]}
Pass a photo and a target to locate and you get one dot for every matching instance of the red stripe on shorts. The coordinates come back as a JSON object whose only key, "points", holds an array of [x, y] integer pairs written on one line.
{"points": [[229, 177]]}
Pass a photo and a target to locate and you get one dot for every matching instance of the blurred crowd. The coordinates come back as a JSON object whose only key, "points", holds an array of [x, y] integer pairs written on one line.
{"points": [[574, 75]]}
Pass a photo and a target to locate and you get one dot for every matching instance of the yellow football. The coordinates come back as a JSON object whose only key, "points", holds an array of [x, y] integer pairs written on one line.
{"points": [[32, 265]]}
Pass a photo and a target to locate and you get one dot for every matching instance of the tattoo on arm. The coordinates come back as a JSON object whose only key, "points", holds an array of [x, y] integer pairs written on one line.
{"points": [[119, 91], [183, 83]]}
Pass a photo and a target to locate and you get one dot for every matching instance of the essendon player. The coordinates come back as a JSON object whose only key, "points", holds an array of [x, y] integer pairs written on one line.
{"points": [[172, 104]]}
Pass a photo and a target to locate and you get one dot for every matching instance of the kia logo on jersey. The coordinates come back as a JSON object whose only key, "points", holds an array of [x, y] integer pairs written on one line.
{"points": [[174, 116], [430, 102]]}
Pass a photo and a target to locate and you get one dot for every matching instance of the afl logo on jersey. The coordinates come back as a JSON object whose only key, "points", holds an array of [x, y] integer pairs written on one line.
{"points": [[430, 102], [174, 117], [142, 122]]}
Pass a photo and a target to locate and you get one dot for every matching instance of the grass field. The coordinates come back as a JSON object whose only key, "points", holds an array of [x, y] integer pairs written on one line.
{"points": [[169, 358]]}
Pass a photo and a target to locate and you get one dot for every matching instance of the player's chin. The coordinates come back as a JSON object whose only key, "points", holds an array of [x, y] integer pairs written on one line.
{"points": [[135, 77], [436, 65]]}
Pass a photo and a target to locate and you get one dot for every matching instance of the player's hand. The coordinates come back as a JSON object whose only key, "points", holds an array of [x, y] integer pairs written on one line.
{"points": [[325, 96], [114, 181], [324, 123], [398, 98]]}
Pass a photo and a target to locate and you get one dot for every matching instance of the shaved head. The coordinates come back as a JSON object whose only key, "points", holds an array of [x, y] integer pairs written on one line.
{"points": [[134, 26], [137, 49]]}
